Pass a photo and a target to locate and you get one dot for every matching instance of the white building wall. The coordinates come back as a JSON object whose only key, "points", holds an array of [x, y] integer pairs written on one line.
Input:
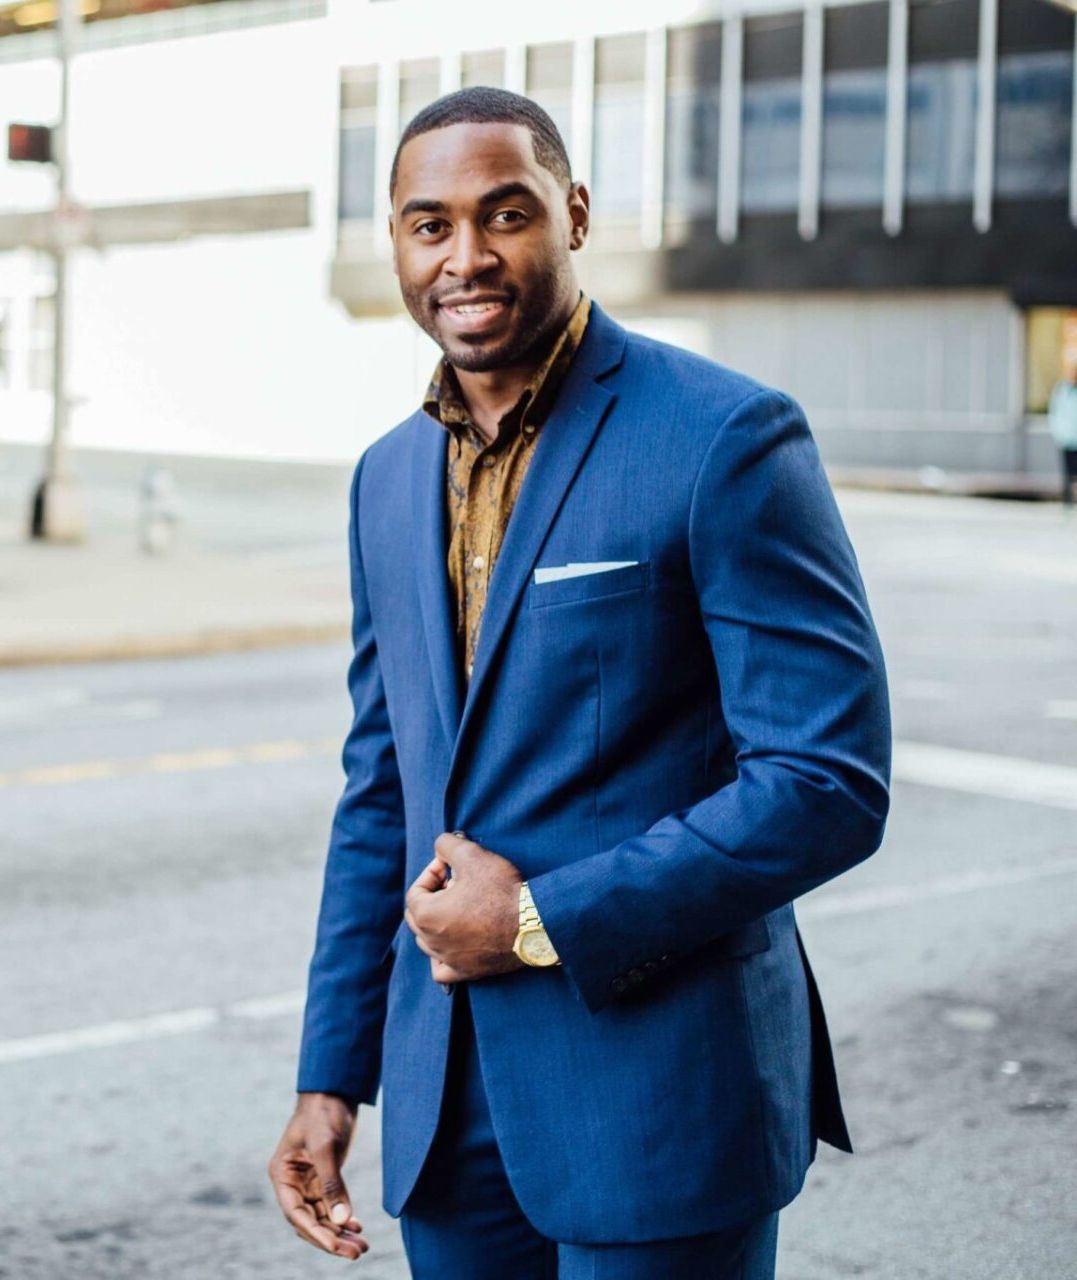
{"points": [[226, 345]]}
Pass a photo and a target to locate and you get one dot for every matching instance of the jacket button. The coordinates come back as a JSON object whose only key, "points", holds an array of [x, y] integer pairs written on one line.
{"points": [[635, 977], [619, 985], [651, 966]]}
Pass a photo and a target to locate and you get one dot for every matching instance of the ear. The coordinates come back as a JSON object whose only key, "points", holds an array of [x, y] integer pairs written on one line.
{"points": [[579, 215]]}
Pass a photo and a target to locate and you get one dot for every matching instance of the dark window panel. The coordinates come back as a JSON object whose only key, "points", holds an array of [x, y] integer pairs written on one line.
{"points": [[940, 29], [1025, 26], [773, 46], [692, 106], [356, 180], [1035, 103], [855, 36]]}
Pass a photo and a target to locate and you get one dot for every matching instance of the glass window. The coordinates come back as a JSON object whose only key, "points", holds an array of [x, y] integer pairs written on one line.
{"points": [[942, 131], [854, 137], [770, 145], [549, 83], [1034, 106], [617, 175], [693, 65], [770, 121], [487, 67], [358, 109], [420, 83]]}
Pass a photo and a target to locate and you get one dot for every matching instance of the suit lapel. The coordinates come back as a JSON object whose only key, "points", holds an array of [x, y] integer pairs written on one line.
{"points": [[559, 452], [561, 447], [431, 554]]}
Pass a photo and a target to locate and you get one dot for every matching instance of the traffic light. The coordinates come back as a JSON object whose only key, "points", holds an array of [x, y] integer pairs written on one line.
{"points": [[31, 142]]}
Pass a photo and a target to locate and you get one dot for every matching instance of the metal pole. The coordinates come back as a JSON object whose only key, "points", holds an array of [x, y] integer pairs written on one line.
{"points": [[57, 513], [986, 76], [729, 127], [811, 122], [897, 92]]}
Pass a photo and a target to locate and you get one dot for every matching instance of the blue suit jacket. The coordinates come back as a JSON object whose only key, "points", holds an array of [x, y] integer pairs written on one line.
{"points": [[671, 752]]}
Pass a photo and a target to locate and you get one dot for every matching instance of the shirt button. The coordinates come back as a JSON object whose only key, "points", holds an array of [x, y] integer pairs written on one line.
{"points": [[529, 430], [489, 460], [478, 562]]}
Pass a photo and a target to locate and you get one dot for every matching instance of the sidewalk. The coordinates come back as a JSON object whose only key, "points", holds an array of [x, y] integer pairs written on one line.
{"points": [[107, 600], [260, 559]]}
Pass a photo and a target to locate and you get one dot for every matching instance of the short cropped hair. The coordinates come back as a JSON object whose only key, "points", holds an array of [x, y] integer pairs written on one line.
{"points": [[481, 104]]}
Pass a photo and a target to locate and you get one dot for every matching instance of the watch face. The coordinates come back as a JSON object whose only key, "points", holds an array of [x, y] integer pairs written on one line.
{"points": [[536, 948]]}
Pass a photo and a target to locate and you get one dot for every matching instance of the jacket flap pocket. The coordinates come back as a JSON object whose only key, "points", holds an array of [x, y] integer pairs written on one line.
{"points": [[589, 586]]}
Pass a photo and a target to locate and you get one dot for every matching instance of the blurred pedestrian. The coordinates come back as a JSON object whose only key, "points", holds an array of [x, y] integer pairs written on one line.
{"points": [[1062, 420], [673, 722]]}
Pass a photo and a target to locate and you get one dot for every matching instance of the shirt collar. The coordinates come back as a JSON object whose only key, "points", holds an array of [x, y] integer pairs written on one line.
{"points": [[445, 404]]}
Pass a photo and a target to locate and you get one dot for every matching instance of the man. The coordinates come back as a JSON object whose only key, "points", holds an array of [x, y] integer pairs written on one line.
{"points": [[671, 721]]}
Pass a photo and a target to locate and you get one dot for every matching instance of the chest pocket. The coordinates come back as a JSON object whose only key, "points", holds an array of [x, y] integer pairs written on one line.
{"points": [[630, 579]]}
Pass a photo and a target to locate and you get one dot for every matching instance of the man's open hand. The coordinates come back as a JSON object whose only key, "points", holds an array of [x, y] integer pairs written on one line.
{"points": [[305, 1173], [468, 932]]}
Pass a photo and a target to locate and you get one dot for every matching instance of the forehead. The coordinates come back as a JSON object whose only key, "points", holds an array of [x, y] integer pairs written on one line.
{"points": [[461, 161]]}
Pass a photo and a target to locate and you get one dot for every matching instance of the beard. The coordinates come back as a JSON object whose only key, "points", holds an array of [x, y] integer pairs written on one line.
{"points": [[535, 319]]}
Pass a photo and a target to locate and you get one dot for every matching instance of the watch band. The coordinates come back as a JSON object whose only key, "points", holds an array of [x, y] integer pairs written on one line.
{"points": [[529, 916]]}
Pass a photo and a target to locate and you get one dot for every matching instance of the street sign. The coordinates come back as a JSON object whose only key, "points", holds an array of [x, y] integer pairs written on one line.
{"points": [[29, 142]]}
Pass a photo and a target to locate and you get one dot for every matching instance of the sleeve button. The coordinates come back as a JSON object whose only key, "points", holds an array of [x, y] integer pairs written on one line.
{"points": [[619, 985]]}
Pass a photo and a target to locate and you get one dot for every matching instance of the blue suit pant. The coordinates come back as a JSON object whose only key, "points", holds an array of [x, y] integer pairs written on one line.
{"points": [[462, 1220]]}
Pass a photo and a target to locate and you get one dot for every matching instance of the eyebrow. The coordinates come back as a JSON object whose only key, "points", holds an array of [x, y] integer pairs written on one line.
{"points": [[422, 204]]}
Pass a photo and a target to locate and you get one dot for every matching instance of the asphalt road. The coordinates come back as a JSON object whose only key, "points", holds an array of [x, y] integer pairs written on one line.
{"points": [[162, 826]]}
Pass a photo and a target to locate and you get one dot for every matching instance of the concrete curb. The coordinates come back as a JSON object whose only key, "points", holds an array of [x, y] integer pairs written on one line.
{"points": [[178, 645]]}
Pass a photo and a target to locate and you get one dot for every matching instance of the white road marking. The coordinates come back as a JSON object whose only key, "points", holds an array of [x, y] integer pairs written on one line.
{"points": [[133, 1030], [980, 773], [900, 895], [152, 1027], [171, 762]]}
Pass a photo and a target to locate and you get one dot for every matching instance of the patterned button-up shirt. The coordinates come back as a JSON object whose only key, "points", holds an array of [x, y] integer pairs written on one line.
{"points": [[483, 480]]}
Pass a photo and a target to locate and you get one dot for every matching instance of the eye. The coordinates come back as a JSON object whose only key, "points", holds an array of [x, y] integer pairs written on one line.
{"points": [[507, 217], [429, 228]]}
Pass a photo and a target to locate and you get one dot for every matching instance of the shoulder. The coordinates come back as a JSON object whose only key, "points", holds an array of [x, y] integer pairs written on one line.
{"points": [[696, 389], [388, 456]]}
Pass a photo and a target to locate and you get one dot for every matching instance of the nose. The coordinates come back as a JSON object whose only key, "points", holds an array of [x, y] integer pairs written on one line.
{"points": [[470, 255]]}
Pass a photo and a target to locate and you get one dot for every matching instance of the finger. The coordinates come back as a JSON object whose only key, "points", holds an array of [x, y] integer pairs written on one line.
{"points": [[303, 1219], [433, 876], [454, 849], [444, 973], [424, 946], [326, 1161]]}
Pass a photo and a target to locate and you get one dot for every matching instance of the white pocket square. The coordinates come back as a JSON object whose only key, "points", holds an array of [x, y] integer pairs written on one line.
{"points": [[579, 568]]}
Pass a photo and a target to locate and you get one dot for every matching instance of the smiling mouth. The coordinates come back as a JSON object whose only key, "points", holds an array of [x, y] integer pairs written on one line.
{"points": [[485, 307]]}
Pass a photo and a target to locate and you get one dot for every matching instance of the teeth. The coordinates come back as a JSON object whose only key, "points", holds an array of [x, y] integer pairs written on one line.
{"points": [[475, 308]]}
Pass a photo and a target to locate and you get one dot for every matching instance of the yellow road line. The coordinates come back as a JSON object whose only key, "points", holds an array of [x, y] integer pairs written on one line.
{"points": [[170, 762]]}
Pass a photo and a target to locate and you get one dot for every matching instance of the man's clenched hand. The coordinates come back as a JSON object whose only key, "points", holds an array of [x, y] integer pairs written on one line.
{"points": [[469, 932], [305, 1173]]}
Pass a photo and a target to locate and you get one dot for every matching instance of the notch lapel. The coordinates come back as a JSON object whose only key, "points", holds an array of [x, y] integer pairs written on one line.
{"points": [[560, 450], [431, 555]]}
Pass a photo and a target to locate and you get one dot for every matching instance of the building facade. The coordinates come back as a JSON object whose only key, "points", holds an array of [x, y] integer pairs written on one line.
{"points": [[870, 203]]}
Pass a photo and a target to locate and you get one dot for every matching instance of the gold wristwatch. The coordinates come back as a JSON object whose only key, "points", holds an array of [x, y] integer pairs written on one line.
{"points": [[533, 944]]}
